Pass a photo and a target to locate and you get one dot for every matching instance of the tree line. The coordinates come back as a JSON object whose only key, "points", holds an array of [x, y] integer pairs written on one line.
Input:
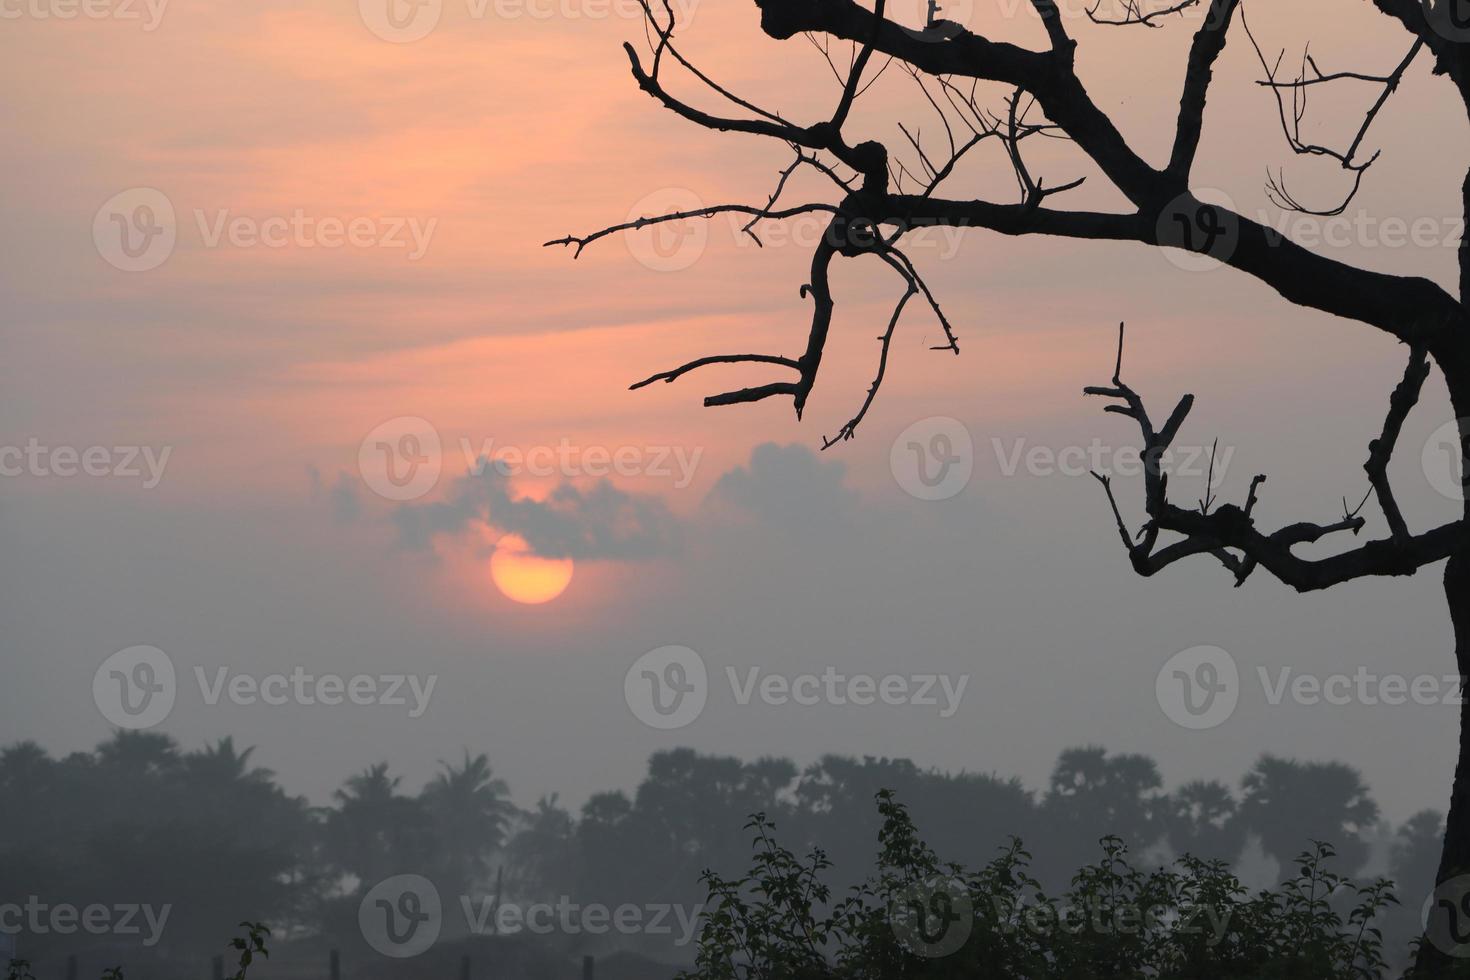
{"points": [[139, 820]]}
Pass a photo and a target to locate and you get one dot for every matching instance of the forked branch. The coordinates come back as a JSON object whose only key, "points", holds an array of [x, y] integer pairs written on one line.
{"points": [[1229, 532]]}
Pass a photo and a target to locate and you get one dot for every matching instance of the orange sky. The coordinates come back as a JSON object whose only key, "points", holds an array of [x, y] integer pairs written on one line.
{"points": [[497, 132]]}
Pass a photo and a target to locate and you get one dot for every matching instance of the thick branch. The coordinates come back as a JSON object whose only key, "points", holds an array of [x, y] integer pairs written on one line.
{"points": [[1048, 75], [1209, 41]]}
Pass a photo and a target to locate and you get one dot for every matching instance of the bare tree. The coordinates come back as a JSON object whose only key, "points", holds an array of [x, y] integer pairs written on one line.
{"points": [[877, 199]]}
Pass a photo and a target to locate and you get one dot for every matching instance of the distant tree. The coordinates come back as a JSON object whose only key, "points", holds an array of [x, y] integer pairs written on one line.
{"points": [[1093, 794], [1286, 803], [1416, 853], [137, 821], [877, 190], [1200, 819], [965, 816], [469, 811], [376, 832], [542, 852]]}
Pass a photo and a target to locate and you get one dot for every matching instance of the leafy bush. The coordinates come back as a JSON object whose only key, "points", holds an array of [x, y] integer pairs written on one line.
{"points": [[918, 917]]}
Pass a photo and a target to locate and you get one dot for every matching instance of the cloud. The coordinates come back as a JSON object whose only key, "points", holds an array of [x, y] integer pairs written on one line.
{"points": [[790, 487], [599, 521], [342, 496]]}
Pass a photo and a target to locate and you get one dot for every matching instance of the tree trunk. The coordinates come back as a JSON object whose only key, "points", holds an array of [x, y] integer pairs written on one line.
{"points": [[1434, 960]]}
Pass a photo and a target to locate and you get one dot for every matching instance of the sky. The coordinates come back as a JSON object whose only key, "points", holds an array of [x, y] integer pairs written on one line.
{"points": [[333, 253]]}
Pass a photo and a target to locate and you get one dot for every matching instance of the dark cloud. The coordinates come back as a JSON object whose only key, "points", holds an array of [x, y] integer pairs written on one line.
{"points": [[785, 486], [597, 521], [341, 496]]}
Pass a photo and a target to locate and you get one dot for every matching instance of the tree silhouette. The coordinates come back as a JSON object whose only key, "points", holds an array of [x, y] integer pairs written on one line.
{"points": [[1092, 795], [1200, 819], [471, 811], [877, 199], [376, 832], [1289, 803], [542, 853]]}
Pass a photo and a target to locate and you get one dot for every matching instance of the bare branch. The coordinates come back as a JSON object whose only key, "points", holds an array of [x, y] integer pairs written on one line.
{"points": [[1134, 14], [1310, 75], [583, 241], [1229, 532], [1380, 450]]}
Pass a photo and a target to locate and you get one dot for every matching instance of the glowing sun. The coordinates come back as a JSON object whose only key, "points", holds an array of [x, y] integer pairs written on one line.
{"points": [[526, 577]]}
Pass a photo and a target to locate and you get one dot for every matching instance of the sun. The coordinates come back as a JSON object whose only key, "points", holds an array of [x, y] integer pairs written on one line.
{"points": [[526, 577]]}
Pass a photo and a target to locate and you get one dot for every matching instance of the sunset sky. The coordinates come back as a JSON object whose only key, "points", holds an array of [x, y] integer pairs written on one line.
{"points": [[264, 546]]}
